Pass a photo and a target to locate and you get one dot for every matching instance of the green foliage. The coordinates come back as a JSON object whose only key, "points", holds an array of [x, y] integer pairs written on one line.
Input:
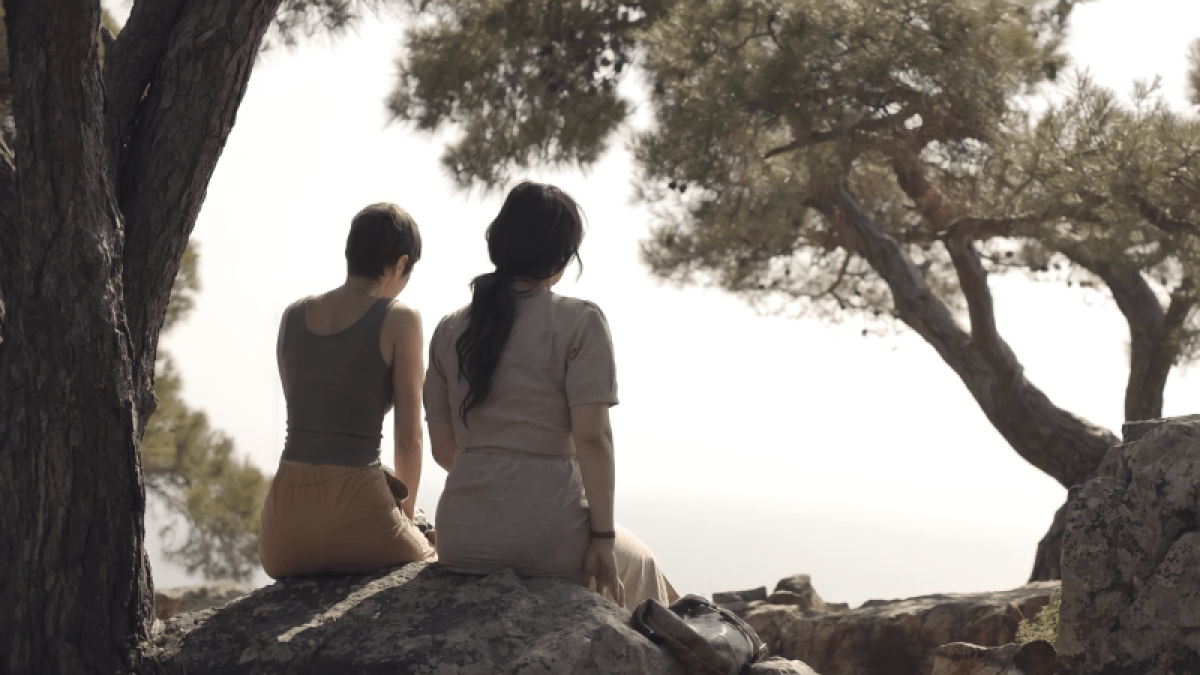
{"points": [[194, 471], [300, 20], [528, 82], [761, 108], [1044, 626]]}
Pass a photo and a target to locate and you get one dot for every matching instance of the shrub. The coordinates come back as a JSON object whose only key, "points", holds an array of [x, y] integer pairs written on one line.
{"points": [[1044, 626]]}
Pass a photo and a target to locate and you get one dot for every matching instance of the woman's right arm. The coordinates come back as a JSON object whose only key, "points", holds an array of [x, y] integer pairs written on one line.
{"points": [[592, 433], [445, 444], [438, 413]]}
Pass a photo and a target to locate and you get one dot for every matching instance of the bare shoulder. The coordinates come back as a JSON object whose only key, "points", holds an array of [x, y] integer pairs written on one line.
{"points": [[403, 318]]}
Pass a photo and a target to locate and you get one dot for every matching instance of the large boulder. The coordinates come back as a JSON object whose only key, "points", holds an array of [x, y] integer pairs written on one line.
{"points": [[1131, 557], [896, 637], [415, 620]]}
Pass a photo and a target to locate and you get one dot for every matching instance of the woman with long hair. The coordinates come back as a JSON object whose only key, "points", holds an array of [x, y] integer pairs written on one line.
{"points": [[345, 358], [516, 397]]}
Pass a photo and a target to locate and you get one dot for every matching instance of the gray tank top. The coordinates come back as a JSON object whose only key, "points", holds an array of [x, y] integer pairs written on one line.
{"points": [[338, 390]]}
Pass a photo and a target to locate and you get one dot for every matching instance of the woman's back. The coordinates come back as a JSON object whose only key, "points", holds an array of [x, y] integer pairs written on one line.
{"points": [[514, 497], [338, 388]]}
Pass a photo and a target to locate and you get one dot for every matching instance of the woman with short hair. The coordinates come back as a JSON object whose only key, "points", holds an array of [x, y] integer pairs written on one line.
{"points": [[345, 358], [516, 397]]}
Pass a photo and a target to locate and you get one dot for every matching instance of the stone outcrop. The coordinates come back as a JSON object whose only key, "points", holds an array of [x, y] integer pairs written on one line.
{"points": [[731, 597], [417, 619], [171, 601], [896, 637], [1131, 557], [1031, 658]]}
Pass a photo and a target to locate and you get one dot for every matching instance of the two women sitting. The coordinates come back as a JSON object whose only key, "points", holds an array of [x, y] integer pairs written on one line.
{"points": [[516, 398]]}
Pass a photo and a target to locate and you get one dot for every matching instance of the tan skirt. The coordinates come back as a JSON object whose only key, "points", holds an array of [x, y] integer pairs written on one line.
{"points": [[639, 573], [327, 518]]}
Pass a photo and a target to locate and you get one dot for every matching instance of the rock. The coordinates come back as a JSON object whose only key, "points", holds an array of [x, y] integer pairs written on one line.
{"points": [[171, 601], [896, 637], [730, 597], [1131, 557], [960, 658], [777, 666], [417, 619], [798, 590]]}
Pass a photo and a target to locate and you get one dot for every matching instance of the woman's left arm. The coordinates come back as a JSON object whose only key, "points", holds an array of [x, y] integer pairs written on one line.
{"points": [[408, 376]]}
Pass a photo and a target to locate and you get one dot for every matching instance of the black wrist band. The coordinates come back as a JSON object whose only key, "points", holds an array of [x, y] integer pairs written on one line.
{"points": [[611, 534]]}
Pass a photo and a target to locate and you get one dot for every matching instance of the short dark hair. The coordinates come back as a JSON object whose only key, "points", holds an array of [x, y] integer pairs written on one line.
{"points": [[379, 235]]}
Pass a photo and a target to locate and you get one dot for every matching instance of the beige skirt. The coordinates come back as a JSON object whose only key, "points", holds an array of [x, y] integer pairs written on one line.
{"points": [[327, 518], [528, 513]]}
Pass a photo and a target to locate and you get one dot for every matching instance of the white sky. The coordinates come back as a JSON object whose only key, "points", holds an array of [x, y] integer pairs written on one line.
{"points": [[749, 448]]}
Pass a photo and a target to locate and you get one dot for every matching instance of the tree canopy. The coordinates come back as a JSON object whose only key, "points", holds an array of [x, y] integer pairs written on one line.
{"points": [[873, 161]]}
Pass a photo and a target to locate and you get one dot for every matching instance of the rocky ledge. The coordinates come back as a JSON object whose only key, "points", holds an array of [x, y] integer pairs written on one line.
{"points": [[882, 637], [417, 619]]}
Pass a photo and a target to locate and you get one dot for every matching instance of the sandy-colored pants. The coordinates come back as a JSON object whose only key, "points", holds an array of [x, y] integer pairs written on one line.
{"points": [[327, 518], [639, 573]]}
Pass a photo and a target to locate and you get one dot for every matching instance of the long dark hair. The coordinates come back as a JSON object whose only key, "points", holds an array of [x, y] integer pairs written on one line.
{"points": [[536, 235]]}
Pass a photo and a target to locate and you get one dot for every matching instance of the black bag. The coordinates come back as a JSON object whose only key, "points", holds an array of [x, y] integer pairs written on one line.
{"points": [[704, 638]]}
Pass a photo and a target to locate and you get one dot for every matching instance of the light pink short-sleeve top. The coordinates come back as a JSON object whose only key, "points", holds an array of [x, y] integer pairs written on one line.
{"points": [[515, 498], [558, 355]]}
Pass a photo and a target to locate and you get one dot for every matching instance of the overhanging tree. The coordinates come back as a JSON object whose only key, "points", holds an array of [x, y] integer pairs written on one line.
{"points": [[850, 160], [100, 185]]}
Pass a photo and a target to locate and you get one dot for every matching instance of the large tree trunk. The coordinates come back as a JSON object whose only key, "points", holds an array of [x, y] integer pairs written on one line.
{"points": [[1064, 446], [97, 200], [1154, 332], [76, 586]]}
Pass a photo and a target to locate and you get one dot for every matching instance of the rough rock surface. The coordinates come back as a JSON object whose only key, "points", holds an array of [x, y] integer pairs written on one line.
{"points": [[798, 590], [960, 658], [171, 601], [731, 597], [1131, 557], [897, 637], [418, 620], [777, 666]]}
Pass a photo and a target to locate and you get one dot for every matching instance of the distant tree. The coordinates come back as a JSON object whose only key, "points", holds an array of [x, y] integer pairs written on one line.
{"points": [[852, 161], [193, 469], [102, 174]]}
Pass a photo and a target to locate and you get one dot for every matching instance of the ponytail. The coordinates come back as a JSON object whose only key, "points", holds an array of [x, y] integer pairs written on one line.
{"points": [[480, 345], [536, 235]]}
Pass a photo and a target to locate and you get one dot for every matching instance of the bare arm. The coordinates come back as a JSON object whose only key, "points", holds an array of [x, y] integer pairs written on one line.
{"points": [[592, 433], [408, 376], [445, 444]]}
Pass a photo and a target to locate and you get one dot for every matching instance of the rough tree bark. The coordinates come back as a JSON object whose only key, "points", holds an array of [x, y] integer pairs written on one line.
{"points": [[1064, 446], [99, 191]]}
